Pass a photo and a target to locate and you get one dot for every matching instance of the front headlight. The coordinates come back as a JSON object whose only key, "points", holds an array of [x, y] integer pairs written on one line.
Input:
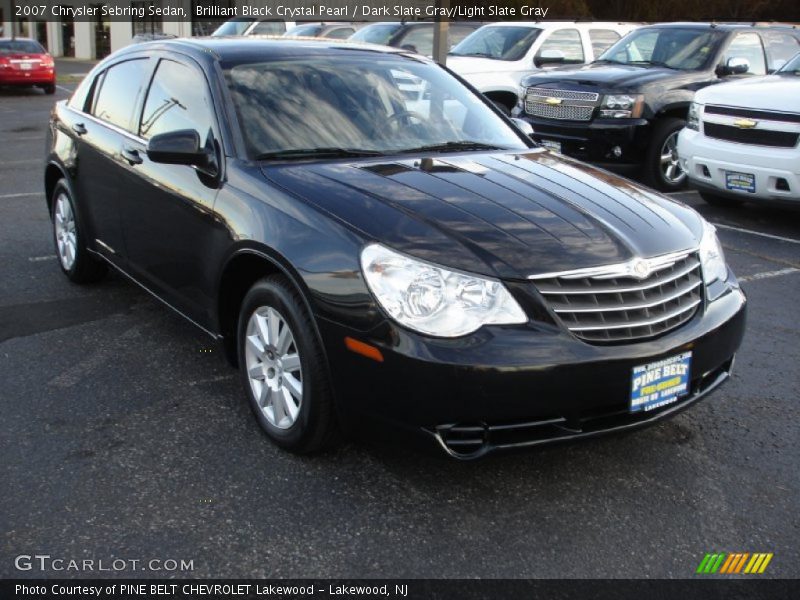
{"points": [[622, 106], [433, 300], [693, 118], [711, 255]]}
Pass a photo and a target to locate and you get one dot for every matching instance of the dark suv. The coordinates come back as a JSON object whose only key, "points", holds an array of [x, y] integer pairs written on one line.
{"points": [[624, 110]]}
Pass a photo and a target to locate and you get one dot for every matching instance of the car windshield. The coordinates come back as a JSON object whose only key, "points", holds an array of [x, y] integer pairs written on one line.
{"points": [[376, 34], [304, 31], [21, 47], [792, 67], [360, 103], [233, 27], [684, 49], [498, 42]]}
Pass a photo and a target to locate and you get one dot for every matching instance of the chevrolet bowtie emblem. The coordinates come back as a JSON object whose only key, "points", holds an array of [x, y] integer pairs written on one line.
{"points": [[553, 100], [745, 123]]}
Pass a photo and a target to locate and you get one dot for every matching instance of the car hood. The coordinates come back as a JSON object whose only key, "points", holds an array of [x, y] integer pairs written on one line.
{"points": [[504, 214], [470, 65], [773, 92], [604, 77]]}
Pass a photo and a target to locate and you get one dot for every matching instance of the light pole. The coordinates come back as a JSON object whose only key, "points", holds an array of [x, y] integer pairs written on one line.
{"points": [[440, 29]]}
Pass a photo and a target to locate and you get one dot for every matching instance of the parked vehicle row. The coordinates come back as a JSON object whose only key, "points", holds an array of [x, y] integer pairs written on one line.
{"points": [[626, 109]]}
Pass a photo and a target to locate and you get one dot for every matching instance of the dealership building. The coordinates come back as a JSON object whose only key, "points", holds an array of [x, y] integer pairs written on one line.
{"points": [[95, 36]]}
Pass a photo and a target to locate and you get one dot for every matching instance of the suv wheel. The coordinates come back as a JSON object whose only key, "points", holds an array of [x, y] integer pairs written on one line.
{"points": [[75, 260], [283, 368], [663, 168]]}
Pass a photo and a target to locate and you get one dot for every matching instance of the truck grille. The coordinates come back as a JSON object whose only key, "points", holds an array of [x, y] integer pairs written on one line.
{"points": [[756, 137], [574, 106], [612, 304]]}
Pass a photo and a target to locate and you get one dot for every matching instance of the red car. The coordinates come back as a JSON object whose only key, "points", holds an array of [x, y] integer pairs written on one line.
{"points": [[24, 62]]}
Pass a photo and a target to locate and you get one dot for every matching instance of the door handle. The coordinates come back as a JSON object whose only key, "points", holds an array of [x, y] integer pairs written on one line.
{"points": [[131, 155], [79, 128]]}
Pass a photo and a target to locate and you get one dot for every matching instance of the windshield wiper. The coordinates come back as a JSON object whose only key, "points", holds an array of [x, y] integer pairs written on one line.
{"points": [[479, 54], [301, 153], [608, 61], [451, 146], [654, 63]]}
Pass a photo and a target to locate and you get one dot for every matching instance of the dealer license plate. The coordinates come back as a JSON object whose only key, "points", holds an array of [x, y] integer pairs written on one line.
{"points": [[26, 66], [660, 383], [740, 182], [551, 145]]}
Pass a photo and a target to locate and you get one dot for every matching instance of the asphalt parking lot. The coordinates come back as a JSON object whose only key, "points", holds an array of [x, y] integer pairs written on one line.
{"points": [[124, 435]]}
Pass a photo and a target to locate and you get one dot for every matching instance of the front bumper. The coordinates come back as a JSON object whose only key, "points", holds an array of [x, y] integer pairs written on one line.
{"points": [[595, 141], [707, 161], [513, 386]]}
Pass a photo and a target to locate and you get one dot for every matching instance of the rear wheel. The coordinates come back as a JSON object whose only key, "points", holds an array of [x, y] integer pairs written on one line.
{"points": [[283, 368], [75, 260], [662, 166], [50, 88]]}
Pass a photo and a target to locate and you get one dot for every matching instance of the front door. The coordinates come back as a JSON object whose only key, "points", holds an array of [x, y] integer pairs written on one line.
{"points": [[169, 224]]}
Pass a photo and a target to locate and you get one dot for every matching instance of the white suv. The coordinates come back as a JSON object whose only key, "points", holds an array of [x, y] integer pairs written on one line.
{"points": [[742, 139], [497, 56]]}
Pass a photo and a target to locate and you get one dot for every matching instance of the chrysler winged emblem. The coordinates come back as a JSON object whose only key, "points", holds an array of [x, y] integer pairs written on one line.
{"points": [[640, 268]]}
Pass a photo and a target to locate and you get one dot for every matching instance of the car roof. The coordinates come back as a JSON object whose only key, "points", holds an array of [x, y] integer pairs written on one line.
{"points": [[246, 48], [555, 24], [725, 26]]}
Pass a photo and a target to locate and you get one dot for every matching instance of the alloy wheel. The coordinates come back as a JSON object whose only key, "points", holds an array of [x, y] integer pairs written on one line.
{"points": [[671, 168], [273, 367], [66, 234]]}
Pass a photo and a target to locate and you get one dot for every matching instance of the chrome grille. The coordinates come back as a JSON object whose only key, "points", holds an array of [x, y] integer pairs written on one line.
{"points": [[568, 105], [559, 111], [612, 304], [563, 94]]}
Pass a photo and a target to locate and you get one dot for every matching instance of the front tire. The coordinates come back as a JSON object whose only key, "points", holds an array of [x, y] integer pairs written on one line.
{"points": [[283, 368], [663, 169], [75, 260]]}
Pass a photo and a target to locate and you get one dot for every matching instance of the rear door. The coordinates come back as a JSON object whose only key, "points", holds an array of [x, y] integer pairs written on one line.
{"points": [[169, 222], [99, 130]]}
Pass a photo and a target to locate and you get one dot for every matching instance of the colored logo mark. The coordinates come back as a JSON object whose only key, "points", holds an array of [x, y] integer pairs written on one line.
{"points": [[735, 562]]}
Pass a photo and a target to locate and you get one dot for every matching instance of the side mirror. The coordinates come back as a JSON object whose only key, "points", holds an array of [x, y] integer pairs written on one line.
{"points": [[549, 57], [523, 126], [735, 65], [180, 147]]}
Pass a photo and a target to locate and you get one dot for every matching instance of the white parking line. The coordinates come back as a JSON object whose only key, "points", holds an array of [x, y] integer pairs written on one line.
{"points": [[21, 195], [751, 232], [41, 258], [63, 89], [29, 161], [768, 274]]}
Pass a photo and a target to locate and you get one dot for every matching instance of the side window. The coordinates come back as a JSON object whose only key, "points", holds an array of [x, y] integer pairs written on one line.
{"points": [[177, 99], [116, 98], [420, 39], [748, 46], [602, 40], [566, 41], [457, 32], [342, 33], [780, 48]]}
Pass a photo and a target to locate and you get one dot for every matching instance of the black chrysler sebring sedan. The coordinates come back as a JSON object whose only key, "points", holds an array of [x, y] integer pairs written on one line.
{"points": [[368, 236]]}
